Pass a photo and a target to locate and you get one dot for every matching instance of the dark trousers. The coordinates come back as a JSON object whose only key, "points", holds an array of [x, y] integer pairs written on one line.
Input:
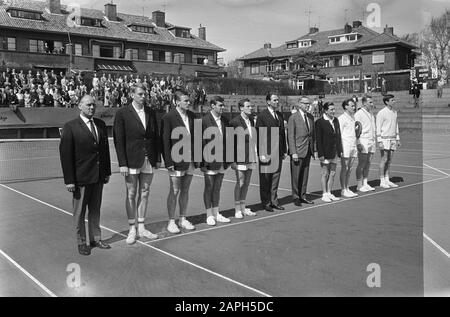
{"points": [[299, 177], [268, 185], [87, 197]]}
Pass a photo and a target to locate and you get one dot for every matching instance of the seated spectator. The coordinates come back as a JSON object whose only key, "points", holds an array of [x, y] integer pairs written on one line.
{"points": [[27, 98]]}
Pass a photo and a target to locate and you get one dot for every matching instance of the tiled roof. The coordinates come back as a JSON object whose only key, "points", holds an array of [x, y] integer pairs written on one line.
{"points": [[384, 39], [111, 29], [321, 44]]}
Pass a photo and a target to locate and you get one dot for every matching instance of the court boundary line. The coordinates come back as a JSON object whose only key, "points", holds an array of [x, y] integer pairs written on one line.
{"points": [[438, 170], [294, 211], [28, 274], [149, 246], [434, 243]]}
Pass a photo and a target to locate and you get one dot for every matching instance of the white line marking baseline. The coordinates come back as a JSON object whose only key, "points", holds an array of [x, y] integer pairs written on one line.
{"points": [[436, 245], [149, 246], [31, 277]]}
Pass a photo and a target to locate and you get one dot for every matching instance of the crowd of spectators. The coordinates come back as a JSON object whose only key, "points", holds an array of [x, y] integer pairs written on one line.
{"points": [[48, 89]]}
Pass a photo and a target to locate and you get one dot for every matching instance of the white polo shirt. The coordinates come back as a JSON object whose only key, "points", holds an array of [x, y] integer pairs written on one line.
{"points": [[347, 126], [387, 125]]}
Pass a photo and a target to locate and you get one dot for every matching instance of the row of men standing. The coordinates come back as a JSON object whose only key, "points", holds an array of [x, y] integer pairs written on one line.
{"points": [[139, 144]]}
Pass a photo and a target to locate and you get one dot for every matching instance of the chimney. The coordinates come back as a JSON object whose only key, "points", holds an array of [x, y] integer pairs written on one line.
{"points": [[111, 11], [357, 24], [159, 18], [389, 30], [347, 28], [54, 6], [202, 32], [313, 30], [267, 45]]}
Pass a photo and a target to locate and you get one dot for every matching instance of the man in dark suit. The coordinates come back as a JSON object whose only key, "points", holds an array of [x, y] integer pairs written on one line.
{"points": [[179, 162], [271, 134], [86, 165], [301, 149], [136, 139], [214, 159], [329, 148]]}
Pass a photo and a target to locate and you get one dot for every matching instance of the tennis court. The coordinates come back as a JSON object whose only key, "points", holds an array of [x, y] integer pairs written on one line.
{"points": [[323, 249]]}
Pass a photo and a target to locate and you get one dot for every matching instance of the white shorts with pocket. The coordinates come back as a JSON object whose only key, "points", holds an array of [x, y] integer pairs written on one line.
{"points": [[389, 144], [330, 161], [349, 150], [189, 171], [246, 167], [368, 146], [146, 168], [215, 172]]}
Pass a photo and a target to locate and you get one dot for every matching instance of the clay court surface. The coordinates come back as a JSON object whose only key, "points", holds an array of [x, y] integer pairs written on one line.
{"points": [[323, 249]]}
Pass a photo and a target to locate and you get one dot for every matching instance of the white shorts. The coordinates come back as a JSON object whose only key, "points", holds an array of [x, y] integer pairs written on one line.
{"points": [[246, 167], [146, 168], [219, 171], [368, 146], [349, 150], [330, 161], [389, 144], [189, 171]]}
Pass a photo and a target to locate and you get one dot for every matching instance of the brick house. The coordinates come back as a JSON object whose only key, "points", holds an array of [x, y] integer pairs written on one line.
{"points": [[46, 34], [356, 58]]}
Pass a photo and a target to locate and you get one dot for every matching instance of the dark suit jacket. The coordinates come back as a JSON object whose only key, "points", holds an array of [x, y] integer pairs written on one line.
{"points": [[265, 119], [170, 121], [328, 141], [132, 141], [237, 122], [207, 122], [83, 160], [300, 140]]}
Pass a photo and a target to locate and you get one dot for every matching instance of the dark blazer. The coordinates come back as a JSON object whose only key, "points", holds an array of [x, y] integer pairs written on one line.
{"points": [[83, 160], [301, 140], [265, 119], [237, 122], [170, 121], [132, 141], [207, 122], [328, 141]]}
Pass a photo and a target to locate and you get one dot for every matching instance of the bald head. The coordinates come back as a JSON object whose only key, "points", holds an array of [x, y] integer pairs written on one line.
{"points": [[87, 106]]}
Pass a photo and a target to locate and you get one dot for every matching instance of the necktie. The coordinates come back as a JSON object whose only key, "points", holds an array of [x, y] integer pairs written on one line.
{"points": [[91, 123], [276, 117], [306, 121]]}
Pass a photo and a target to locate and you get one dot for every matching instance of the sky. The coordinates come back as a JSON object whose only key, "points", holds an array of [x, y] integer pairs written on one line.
{"points": [[243, 26]]}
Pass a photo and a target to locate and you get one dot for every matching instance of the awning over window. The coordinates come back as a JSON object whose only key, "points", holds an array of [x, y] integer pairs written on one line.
{"points": [[114, 66]]}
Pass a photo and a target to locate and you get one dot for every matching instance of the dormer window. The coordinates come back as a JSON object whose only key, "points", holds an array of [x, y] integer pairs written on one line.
{"points": [[351, 37], [91, 22], [142, 29], [292, 45], [23, 14], [305, 43], [181, 32]]}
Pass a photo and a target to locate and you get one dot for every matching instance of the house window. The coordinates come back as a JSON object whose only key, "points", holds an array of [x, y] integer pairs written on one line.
{"points": [[36, 46], [180, 58], [254, 68], [264, 67], [306, 43], [351, 38], [345, 60], [58, 46], [25, 14], [335, 39], [134, 53], [378, 57], [91, 22], [96, 50], [185, 34], [11, 41], [150, 55], [78, 49], [292, 45], [117, 52], [142, 29], [168, 57]]}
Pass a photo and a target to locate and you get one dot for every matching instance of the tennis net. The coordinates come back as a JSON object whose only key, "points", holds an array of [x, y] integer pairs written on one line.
{"points": [[31, 159]]}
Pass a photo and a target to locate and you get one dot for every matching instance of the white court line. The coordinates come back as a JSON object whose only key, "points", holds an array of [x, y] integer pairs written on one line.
{"points": [[149, 246], [31, 277], [438, 170], [436, 245], [295, 211]]}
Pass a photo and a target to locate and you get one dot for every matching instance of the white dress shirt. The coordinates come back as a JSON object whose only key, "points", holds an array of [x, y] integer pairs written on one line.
{"points": [[185, 119], [141, 114], [218, 122], [86, 121]]}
